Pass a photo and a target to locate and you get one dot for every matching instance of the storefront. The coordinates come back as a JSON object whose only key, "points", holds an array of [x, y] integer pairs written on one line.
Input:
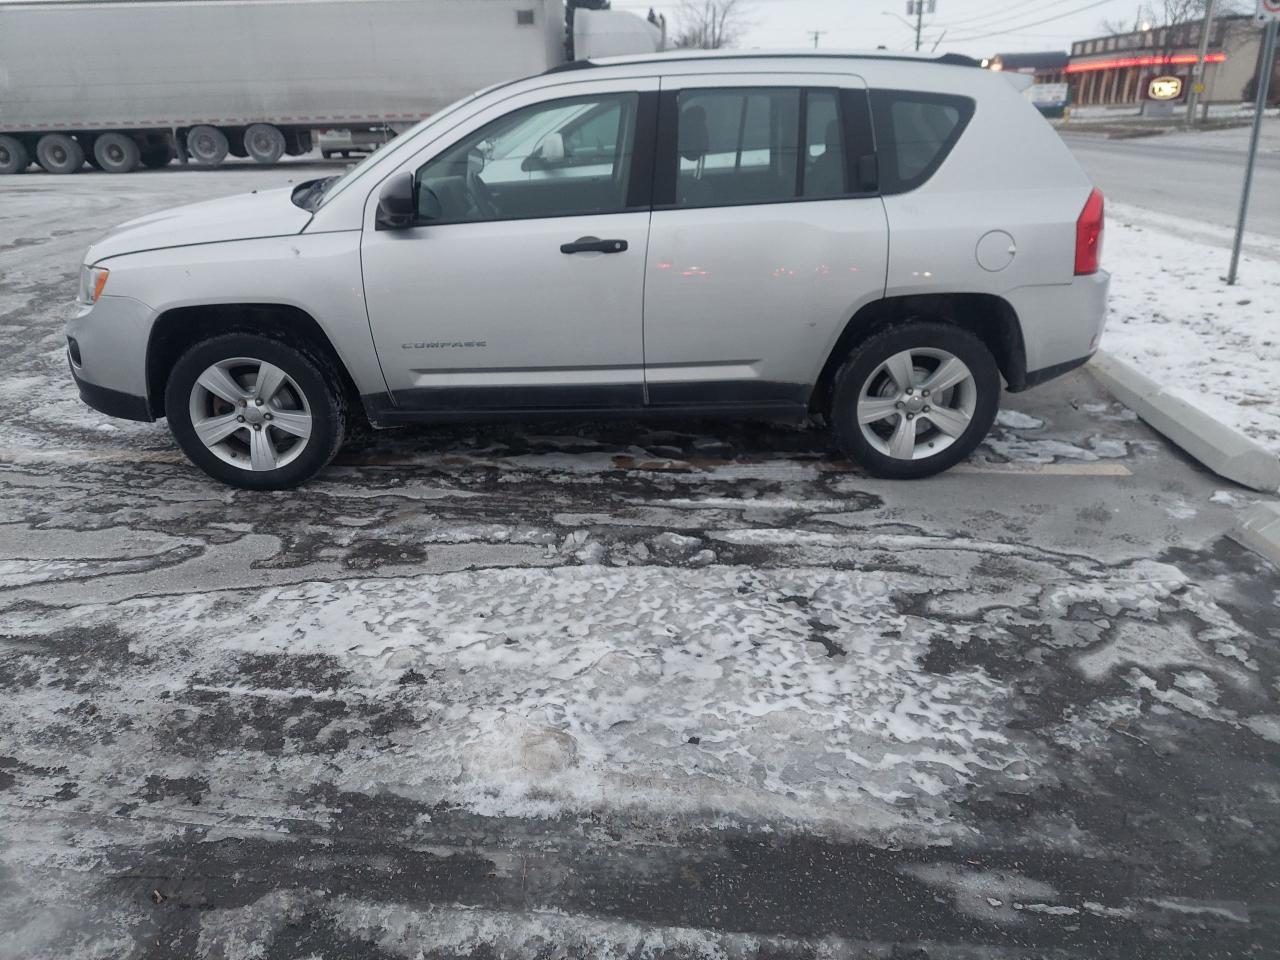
{"points": [[1157, 65]]}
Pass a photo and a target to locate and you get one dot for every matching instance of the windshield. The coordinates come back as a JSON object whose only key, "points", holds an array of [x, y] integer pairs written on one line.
{"points": [[335, 185]]}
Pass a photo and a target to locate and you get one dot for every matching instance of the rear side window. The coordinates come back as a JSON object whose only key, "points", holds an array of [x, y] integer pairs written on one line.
{"points": [[745, 145], [737, 146], [914, 133]]}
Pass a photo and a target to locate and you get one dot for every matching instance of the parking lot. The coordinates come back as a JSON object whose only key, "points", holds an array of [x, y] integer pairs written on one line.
{"points": [[615, 689]]}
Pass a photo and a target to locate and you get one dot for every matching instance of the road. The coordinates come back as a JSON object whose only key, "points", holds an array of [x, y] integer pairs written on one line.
{"points": [[615, 689], [1193, 175]]}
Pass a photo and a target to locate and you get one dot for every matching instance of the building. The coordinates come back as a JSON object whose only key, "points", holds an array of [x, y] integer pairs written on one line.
{"points": [[1157, 65], [1047, 73], [1048, 67]]}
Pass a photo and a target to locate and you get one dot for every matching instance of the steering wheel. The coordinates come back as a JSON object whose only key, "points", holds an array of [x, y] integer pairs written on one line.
{"points": [[480, 195]]}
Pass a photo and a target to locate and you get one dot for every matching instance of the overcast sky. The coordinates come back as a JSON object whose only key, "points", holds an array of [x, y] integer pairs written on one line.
{"points": [[979, 28]]}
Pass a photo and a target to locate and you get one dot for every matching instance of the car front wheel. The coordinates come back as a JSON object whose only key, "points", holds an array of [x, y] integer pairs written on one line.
{"points": [[254, 412], [914, 399]]}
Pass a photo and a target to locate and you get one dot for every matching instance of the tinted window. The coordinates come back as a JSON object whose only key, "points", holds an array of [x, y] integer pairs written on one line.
{"points": [[736, 146], [824, 173], [758, 145], [914, 134], [556, 159]]}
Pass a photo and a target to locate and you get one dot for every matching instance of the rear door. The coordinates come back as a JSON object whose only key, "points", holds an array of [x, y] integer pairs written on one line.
{"points": [[767, 235]]}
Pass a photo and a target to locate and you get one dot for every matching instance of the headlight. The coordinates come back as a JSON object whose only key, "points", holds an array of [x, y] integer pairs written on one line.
{"points": [[92, 280]]}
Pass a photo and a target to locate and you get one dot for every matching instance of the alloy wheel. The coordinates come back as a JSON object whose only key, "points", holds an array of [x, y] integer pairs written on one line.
{"points": [[250, 414], [917, 403]]}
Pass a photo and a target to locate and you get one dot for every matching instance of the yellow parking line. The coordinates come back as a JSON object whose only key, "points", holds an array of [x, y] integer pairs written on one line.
{"points": [[1046, 469]]}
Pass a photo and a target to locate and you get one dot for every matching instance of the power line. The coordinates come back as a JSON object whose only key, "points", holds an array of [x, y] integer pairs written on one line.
{"points": [[1034, 23], [1016, 9]]}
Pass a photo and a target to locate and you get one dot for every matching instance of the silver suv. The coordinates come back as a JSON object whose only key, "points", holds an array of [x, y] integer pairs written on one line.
{"points": [[876, 240]]}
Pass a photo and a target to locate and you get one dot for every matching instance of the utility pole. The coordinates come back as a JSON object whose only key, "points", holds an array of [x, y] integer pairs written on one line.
{"points": [[1197, 72], [816, 34], [917, 7]]}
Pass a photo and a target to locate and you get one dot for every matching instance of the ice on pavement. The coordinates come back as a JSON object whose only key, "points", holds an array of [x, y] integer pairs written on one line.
{"points": [[795, 694]]}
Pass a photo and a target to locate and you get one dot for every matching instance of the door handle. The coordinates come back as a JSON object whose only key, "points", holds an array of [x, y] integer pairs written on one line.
{"points": [[593, 245]]}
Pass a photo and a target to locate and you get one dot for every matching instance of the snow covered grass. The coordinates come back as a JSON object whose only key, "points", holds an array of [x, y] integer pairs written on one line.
{"points": [[1174, 316]]}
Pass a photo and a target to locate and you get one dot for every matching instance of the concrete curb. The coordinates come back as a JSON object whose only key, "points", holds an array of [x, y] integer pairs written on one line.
{"points": [[1259, 530], [1221, 448]]}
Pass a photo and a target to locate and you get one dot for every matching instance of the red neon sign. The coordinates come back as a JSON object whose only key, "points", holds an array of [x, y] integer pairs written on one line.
{"points": [[1177, 59]]}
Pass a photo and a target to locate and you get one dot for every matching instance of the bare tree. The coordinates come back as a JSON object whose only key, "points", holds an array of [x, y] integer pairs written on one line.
{"points": [[1170, 13], [710, 24]]}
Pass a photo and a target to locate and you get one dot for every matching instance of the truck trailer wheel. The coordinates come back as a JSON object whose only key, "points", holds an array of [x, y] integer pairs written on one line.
{"points": [[153, 158], [59, 153], [14, 157], [264, 143], [207, 145], [116, 153]]}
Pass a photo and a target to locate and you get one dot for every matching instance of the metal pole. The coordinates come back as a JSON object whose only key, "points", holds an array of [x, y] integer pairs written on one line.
{"points": [[919, 22], [1197, 72], [1265, 70]]}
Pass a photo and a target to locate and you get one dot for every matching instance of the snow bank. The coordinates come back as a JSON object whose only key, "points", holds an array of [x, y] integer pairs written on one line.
{"points": [[1174, 317]]}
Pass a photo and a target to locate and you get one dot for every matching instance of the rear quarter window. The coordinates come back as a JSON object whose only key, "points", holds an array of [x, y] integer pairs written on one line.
{"points": [[914, 133]]}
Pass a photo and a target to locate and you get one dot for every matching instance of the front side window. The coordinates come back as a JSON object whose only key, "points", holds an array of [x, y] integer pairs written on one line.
{"points": [[914, 133], [758, 145], [557, 159]]}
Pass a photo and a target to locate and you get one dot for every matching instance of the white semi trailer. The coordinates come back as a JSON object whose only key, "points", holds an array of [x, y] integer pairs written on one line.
{"points": [[122, 84]]}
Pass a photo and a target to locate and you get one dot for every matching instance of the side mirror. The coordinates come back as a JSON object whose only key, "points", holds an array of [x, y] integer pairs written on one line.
{"points": [[550, 150], [397, 203]]}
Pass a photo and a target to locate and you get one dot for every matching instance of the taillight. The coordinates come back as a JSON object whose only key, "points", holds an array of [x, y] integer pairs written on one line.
{"points": [[1089, 235]]}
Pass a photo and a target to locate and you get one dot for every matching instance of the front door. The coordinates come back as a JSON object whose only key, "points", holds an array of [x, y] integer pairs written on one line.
{"points": [[767, 236], [521, 287]]}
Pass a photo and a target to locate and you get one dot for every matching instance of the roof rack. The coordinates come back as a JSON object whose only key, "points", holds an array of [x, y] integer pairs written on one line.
{"points": [[946, 59]]}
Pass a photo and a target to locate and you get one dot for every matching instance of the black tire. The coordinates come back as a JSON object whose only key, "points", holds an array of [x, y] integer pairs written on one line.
{"points": [[314, 375], [867, 358], [59, 153], [14, 155], [207, 146], [264, 143], [116, 153], [154, 158]]}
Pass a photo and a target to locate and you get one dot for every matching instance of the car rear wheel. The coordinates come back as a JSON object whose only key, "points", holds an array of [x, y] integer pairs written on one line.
{"points": [[915, 399], [254, 412]]}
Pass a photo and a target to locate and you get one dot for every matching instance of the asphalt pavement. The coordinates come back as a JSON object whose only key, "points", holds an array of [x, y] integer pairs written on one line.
{"points": [[1198, 176], [616, 689]]}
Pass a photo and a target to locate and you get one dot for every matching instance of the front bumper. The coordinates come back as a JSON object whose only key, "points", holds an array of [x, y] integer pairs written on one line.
{"points": [[107, 352], [114, 403]]}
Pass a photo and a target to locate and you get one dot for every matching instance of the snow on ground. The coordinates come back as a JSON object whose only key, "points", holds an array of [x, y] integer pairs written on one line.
{"points": [[1174, 317]]}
